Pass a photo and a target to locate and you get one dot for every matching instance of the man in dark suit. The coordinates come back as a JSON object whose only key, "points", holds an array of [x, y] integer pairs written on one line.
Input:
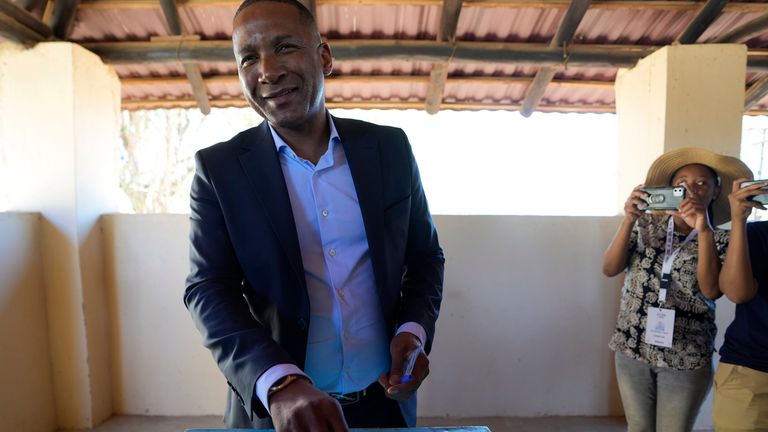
{"points": [[316, 274]]}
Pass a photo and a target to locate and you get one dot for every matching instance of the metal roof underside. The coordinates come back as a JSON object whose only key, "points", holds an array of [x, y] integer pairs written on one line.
{"points": [[545, 55]]}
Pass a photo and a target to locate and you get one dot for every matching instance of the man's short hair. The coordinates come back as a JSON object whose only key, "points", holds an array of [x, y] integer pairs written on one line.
{"points": [[305, 14]]}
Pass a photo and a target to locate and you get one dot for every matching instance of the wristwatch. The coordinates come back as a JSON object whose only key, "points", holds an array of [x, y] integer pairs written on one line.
{"points": [[283, 383]]}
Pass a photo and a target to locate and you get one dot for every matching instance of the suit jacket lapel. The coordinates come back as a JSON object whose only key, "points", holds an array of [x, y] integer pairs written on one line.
{"points": [[262, 167], [362, 152]]}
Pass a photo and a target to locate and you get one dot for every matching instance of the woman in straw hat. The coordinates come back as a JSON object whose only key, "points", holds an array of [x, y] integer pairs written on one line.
{"points": [[665, 331]]}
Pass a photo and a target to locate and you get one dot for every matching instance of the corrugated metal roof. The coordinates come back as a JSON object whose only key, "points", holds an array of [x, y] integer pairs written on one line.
{"points": [[470, 84]]}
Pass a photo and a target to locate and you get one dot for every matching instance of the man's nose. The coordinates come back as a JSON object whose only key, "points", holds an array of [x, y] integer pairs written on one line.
{"points": [[270, 69]]}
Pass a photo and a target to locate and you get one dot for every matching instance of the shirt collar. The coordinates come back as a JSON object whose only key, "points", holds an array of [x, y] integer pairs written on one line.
{"points": [[280, 143]]}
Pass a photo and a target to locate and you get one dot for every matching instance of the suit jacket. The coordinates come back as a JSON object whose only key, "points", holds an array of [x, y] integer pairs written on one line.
{"points": [[246, 290]]}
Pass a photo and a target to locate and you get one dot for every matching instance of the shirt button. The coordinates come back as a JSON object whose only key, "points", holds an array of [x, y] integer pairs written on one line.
{"points": [[325, 212], [346, 334], [332, 252], [341, 293]]}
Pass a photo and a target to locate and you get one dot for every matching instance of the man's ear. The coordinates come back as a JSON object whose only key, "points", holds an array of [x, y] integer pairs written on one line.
{"points": [[327, 58]]}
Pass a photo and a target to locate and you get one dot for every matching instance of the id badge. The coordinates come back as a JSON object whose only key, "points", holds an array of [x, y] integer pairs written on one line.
{"points": [[661, 327]]}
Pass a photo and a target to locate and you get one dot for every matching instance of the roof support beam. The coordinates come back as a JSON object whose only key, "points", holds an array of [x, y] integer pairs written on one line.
{"points": [[706, 16], [64, 17], [192, 70], [446, 33], [30, 5], [436, 88], [745, 31], [344, 80], [562, 38], [756, 93], [399, 105], [18, 25], [171, 13], [681, 5], [463, 106], [382, 49]]}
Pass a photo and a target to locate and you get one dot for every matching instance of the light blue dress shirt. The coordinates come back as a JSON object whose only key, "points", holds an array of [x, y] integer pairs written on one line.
{"points": [[348, 347]]}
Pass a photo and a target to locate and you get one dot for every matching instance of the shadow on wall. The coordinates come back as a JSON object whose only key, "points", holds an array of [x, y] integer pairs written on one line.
{"points": [[26, 383]]}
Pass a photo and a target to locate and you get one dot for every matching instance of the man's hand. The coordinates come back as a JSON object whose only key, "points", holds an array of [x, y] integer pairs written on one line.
{"points": [[403, 346], [300, 407]]}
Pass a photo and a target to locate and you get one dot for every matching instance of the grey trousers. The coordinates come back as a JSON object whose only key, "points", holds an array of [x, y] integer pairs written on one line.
{"points": [[660, 399]]}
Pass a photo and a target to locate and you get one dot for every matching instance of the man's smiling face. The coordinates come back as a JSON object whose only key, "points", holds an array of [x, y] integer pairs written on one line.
{"points": [[281, 62]]}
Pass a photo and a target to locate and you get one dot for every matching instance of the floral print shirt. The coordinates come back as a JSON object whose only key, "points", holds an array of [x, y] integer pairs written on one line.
{"points": [[694, 334]]}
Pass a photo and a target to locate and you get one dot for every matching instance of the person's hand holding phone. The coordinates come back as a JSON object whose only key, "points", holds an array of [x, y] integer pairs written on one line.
{"points": [[693, 210], [741, 200], [635, 205]]}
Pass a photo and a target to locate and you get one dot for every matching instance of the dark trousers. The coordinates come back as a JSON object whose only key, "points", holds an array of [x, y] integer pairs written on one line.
{"points": [[375, 410]]}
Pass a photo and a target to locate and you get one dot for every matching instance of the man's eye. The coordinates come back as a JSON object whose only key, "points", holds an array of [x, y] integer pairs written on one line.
{"points": [[284, 49], [247, 59]]}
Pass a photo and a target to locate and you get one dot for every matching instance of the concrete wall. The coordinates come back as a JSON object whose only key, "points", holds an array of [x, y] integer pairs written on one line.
{"points": [[26, 384], [523, 332], [59, 125]]}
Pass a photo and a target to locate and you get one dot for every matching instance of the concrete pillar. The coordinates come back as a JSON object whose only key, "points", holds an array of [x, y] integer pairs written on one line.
{"points": [[679, 96], [59, 131]]}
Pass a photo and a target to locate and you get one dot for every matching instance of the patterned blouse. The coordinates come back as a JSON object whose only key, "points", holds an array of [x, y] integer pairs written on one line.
{"points": [[694, 334]]}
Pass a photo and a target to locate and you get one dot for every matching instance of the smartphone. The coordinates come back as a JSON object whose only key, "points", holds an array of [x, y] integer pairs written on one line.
{"points": [[664, 198], [762, 198]]}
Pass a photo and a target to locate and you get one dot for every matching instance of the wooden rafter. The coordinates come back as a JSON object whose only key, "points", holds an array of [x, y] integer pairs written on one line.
{"points": [[680, 5], [756, 93], [437, 78], [172, 18], [706, 16], [137, 104], [376, 79], [64, 17], [48, 12], [562, 38], [449, 20], [18, 25], [31, 5], [191, 69], [345, 80], [399, 105], [745, 31], [385, 49]]}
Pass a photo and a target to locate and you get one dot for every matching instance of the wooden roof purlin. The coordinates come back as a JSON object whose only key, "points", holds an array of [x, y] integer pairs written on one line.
{"points": [[526, 55]]}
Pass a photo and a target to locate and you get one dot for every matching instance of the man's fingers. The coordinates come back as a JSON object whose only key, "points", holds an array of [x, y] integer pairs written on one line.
{"points": [[401, 391], [384, 380]]}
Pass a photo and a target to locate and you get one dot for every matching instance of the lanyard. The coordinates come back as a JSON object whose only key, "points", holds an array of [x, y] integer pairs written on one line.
{"points": [[669, 257]]}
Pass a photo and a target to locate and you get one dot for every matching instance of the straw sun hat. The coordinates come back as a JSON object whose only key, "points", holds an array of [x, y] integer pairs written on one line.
{"points": [[727, 168]]}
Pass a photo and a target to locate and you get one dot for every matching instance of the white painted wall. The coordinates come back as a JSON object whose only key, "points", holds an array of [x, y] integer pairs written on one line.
{"points": [[26, 384], [159, 364], [523, 331], [524, 328], [59, 125]]}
